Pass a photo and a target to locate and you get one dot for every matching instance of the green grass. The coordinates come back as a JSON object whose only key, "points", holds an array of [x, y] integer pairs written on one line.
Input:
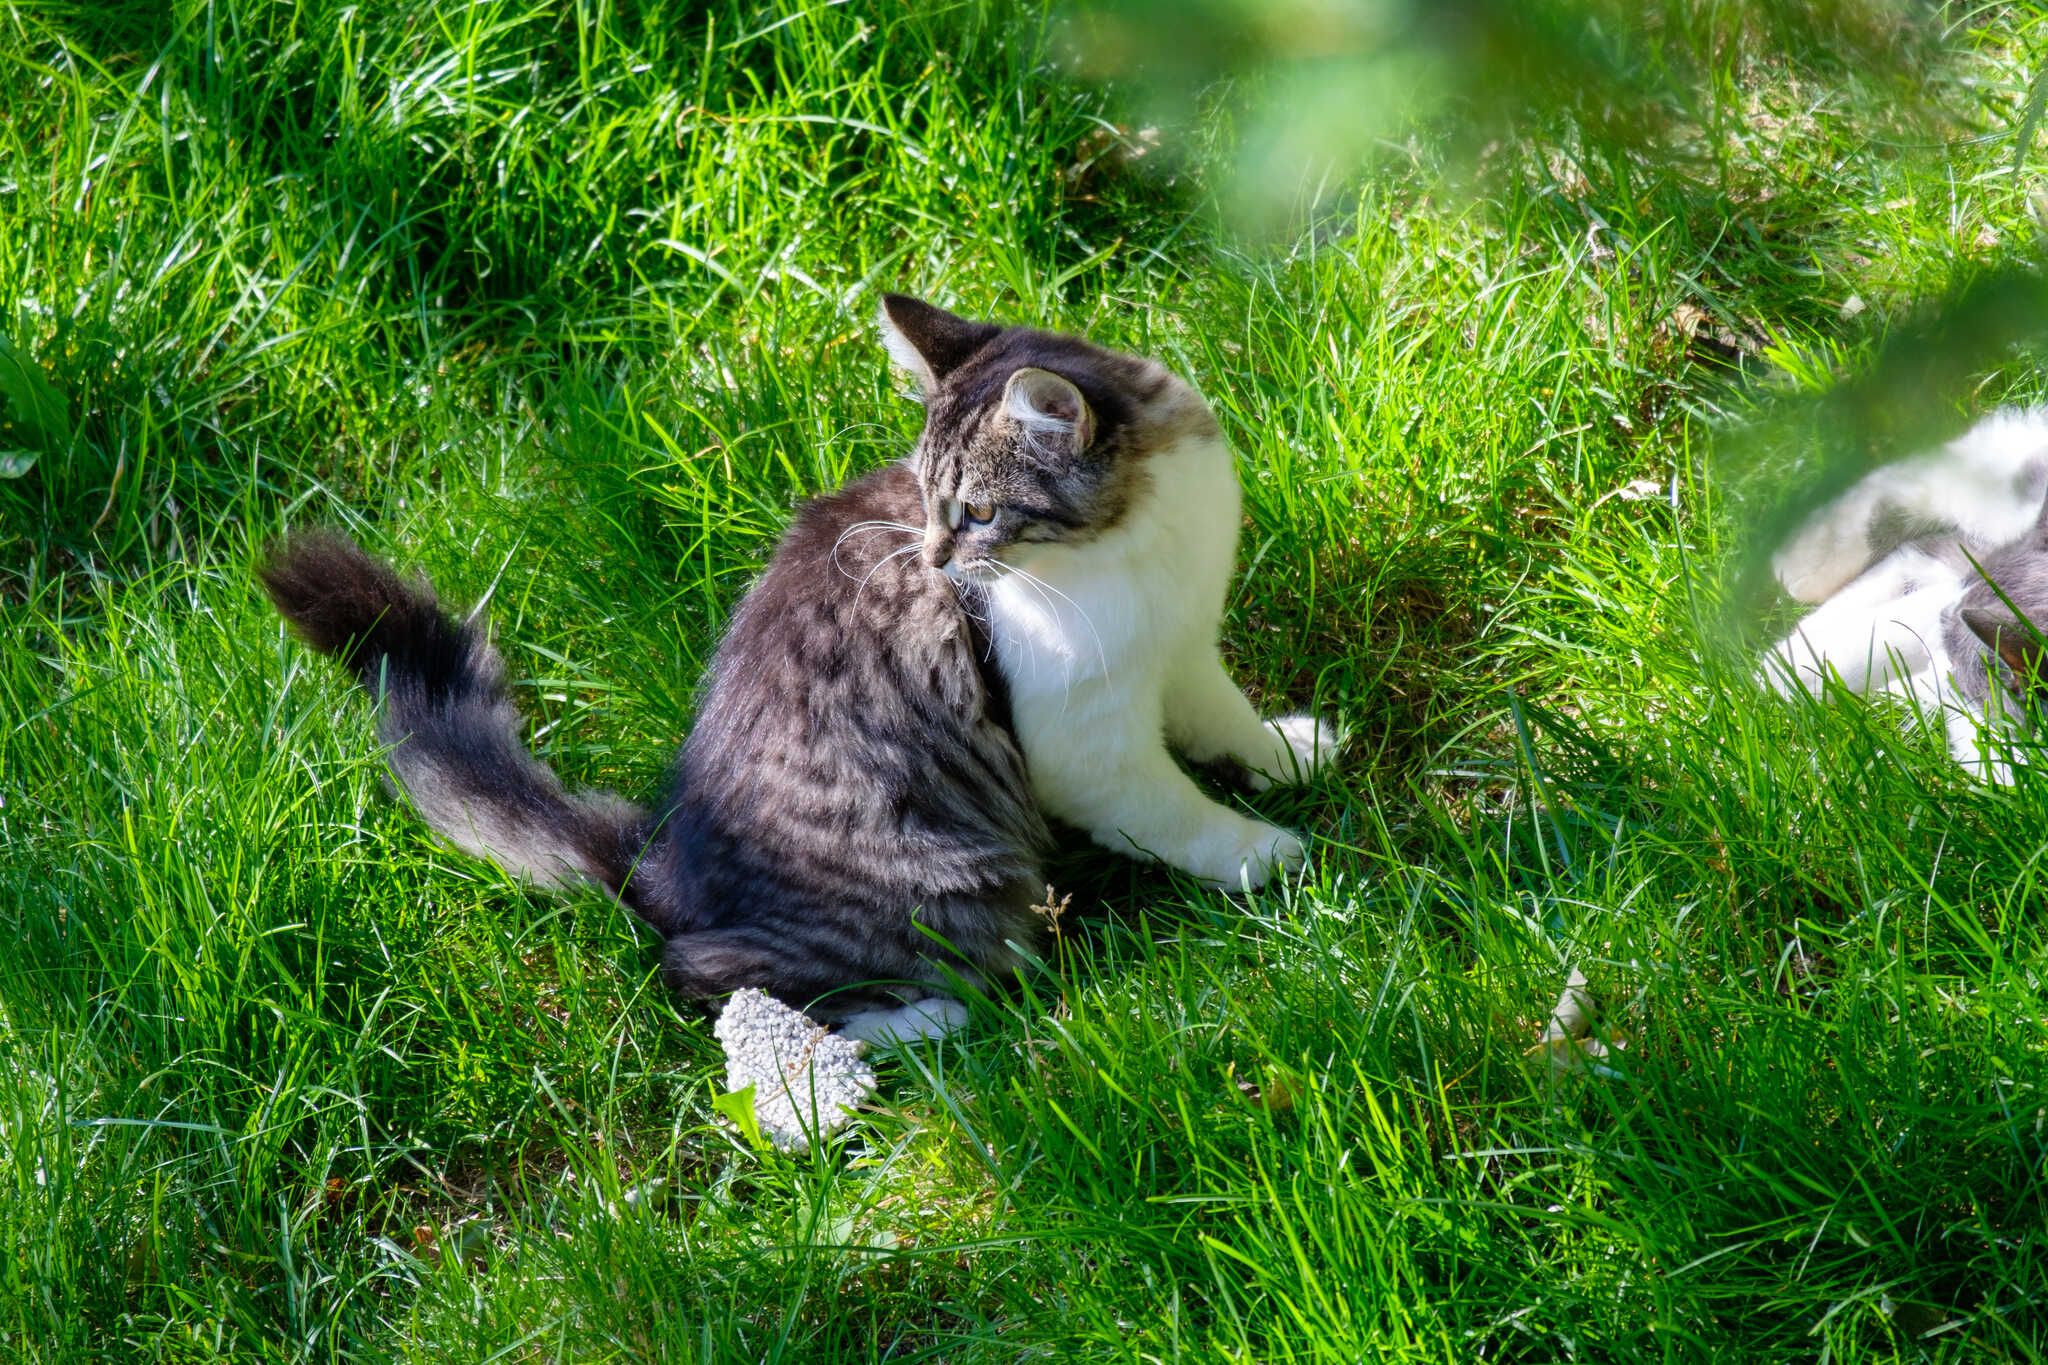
{"points": [[568, 306]]}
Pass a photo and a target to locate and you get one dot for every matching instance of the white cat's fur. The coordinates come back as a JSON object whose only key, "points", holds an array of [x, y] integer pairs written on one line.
{"points": [[1888, 626], [1115, 657], [1967, 487]]}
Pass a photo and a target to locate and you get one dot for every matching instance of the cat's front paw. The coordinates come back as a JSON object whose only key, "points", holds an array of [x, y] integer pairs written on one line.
{"points": [[1791, 669], [1245, 855], [1306, 745]]}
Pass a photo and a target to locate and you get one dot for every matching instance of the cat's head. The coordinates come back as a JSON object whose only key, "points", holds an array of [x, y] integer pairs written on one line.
{"points": [[1031, 439], [2012, 619], [2006, 607], [2014, 647]]}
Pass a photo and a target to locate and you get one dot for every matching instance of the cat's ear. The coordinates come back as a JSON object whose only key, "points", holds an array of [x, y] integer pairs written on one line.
{"points": [[1055, 417], [930, 343], [2010, 638]]}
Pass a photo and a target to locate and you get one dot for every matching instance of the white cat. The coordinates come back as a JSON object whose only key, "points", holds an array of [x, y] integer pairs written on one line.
{"points": [[1913, 568]]}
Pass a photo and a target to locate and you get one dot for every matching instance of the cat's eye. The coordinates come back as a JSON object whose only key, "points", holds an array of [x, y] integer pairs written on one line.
{"points": [[981, 512]]}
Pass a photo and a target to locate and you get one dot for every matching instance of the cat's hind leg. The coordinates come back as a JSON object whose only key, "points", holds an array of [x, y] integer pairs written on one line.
{"points": [[1985, 486], [1831, 547], [935, 1016], [710, 964]]}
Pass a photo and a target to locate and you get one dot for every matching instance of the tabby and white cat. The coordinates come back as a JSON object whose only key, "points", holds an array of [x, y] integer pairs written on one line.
{"points": [[1918, 569], [1014, 623]]}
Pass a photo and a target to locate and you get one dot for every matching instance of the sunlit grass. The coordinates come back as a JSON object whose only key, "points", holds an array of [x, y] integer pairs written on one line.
{"points": [[567, 306]]}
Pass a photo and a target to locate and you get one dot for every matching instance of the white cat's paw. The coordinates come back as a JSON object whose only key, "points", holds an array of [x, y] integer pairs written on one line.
{"points": [[1244, 855], [1778, 673], [933, 1017], [1793, 668], [1307, 744], [1274, 850]]}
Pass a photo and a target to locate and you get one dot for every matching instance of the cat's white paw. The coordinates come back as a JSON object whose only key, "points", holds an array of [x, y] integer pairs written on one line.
{"points": [[933, 1017], [1244, 854], [1307, 744]]}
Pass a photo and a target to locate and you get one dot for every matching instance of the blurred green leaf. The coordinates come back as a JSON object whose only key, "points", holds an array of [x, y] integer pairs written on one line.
{"points": [[1317, 88]]}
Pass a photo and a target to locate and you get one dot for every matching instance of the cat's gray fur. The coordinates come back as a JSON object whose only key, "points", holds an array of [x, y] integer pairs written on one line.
{"points": [[1997, 623]]}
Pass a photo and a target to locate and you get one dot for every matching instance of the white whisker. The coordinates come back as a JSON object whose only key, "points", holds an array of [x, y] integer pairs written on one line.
{"points": [[870, 527], [877, 569], [988, 625], [1101, 654]]}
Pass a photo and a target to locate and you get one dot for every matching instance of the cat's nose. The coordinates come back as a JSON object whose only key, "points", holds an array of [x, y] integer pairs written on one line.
{"points": [[937, 550]]}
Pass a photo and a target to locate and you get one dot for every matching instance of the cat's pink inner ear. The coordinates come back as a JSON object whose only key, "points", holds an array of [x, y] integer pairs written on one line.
{"points": [[1046, 403], [2016, 646]]}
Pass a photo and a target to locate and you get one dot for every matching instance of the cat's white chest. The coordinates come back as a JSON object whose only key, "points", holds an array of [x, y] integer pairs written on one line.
{"points": [[1121, 607]]}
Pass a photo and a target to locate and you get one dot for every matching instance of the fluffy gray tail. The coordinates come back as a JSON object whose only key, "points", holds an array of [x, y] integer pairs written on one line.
{"points": [[454, 732]]}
